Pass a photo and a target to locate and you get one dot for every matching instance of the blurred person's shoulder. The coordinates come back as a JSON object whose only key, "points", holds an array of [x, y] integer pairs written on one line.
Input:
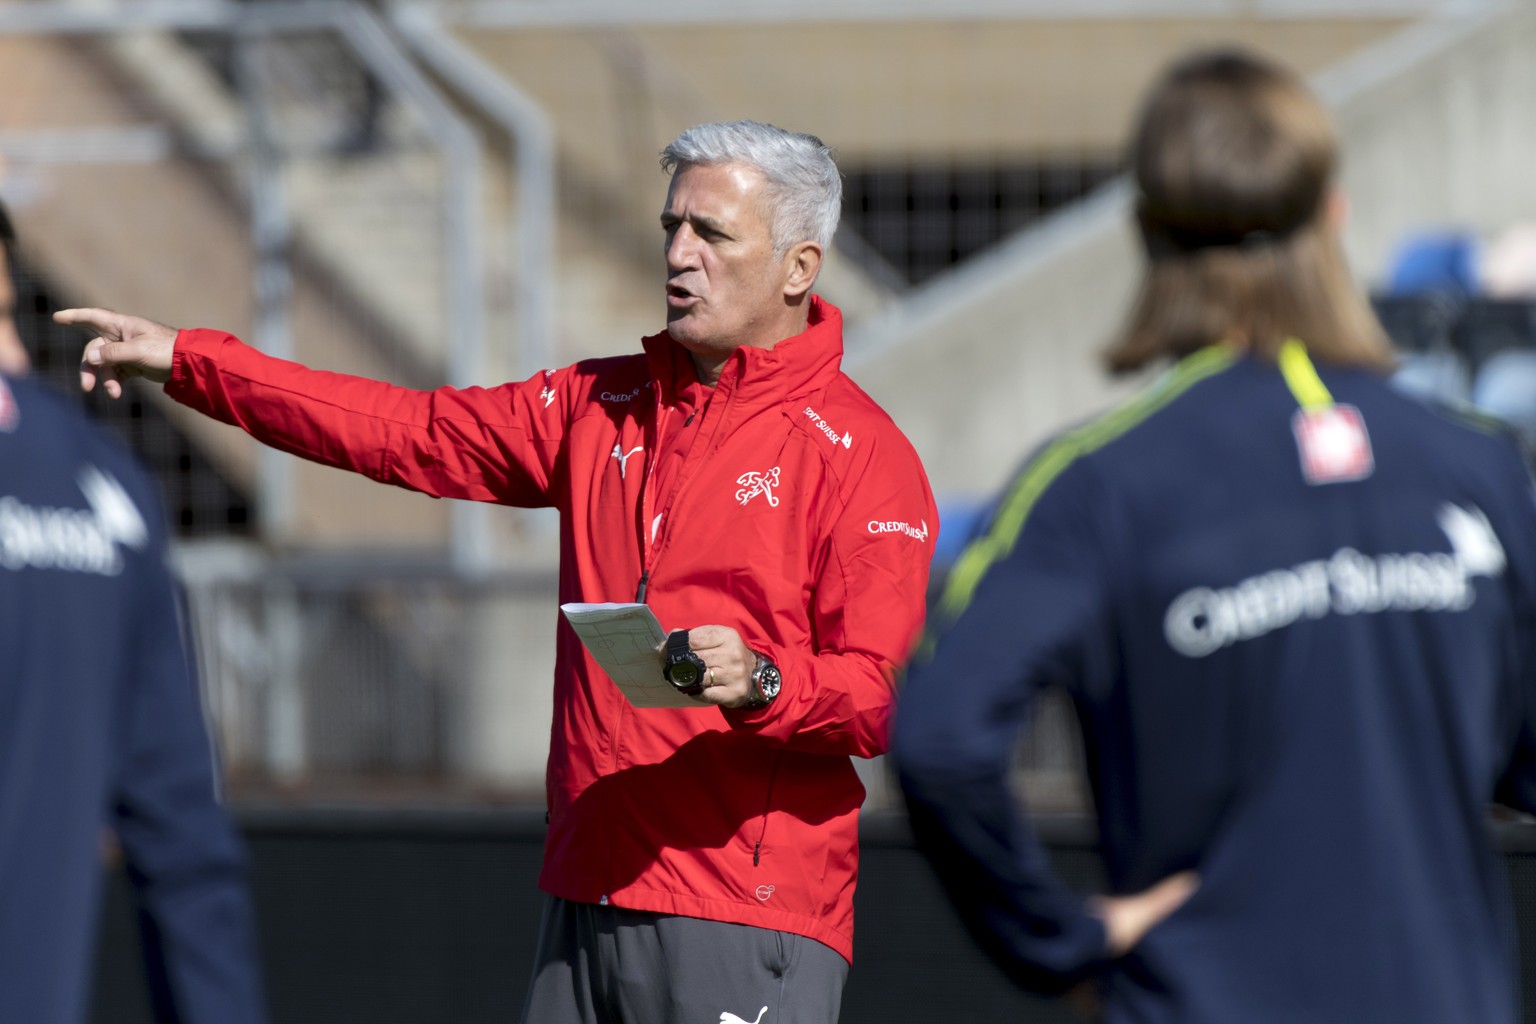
{"points": [[48, 443], [1169, 420], [41, 420], [1461, 430], [1448, 446]]}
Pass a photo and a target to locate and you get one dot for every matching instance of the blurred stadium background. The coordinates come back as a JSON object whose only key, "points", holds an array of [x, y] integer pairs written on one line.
{"points": [[466, 192]]}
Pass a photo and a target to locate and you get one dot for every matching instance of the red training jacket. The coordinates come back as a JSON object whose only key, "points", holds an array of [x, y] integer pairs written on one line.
{"points": [[800, 516]]}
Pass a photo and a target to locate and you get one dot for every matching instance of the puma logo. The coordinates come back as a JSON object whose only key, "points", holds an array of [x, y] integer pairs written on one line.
{"points": [[623, 457], [731, 1018]]}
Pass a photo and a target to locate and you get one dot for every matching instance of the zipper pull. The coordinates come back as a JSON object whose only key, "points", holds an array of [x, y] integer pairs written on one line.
{"points": [[645, 577], [757, 853]]}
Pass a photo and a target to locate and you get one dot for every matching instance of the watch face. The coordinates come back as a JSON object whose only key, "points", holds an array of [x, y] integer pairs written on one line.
{"points": [[683, 674], [684, 669], [770, 681]]}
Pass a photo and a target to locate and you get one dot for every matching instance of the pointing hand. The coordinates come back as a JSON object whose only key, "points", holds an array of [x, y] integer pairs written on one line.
{"points": [[125, 346]]}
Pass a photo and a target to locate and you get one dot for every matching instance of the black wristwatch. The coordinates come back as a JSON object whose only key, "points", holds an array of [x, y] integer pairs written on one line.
{"points": [[766, 683], [683, 668]]}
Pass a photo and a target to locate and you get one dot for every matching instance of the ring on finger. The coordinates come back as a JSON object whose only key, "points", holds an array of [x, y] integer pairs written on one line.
{"points": [[709, 677]]}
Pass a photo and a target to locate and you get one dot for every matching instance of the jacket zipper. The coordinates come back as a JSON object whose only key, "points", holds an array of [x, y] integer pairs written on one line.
{"points": [[717, 437], [762, 832], [643, 528], [652, 457]]}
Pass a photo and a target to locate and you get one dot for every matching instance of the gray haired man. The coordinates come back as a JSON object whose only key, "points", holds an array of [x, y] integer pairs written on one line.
{"points": [[700, 862]]}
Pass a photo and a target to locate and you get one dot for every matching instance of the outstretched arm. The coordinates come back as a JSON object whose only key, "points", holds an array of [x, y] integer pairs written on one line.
{"points": [[498, 444]]}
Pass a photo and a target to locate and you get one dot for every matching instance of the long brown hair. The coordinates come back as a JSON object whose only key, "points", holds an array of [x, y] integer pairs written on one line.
{"points": [[1234, 160]]}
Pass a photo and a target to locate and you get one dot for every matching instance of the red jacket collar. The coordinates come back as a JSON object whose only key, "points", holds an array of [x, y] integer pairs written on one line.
{"points": [[796, 365]]}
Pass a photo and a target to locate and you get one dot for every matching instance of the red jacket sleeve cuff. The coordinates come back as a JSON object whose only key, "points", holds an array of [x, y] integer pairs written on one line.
{"points": [[191, 345]]}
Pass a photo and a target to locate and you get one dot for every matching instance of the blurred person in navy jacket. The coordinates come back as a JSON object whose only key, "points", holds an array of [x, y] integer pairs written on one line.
{"points": [[1296, 612], [101, 726], [13, 354]]}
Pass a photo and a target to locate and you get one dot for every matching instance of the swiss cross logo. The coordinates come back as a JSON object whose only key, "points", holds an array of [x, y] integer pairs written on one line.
{"points": [[754, 483], [1333, 444]]}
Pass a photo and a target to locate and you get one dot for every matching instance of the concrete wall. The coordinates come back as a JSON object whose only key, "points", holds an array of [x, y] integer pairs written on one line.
{"points": [[981, 365], [170, 239], [1437, 129], [878, 90]]}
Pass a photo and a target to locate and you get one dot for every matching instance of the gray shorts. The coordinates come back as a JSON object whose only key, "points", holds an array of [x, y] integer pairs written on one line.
{"points": [[604, 965]]}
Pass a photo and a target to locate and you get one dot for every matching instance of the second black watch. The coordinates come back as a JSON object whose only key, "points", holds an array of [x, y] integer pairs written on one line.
{"points": [[683, 669]]}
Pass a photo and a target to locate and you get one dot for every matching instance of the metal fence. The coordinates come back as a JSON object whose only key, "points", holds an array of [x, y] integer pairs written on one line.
{"points": [[334, 677], [281, 170]]}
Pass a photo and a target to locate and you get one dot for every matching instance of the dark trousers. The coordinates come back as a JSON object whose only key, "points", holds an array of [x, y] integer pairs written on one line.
{"points": [[603, 965]]}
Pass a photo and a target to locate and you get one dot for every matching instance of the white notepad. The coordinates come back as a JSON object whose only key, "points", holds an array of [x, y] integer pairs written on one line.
{"points": [[626, 640]]}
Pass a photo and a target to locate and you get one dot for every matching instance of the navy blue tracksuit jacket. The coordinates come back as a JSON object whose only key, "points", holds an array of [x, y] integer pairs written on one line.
{"points": [[101, 726], [1301, 648]]}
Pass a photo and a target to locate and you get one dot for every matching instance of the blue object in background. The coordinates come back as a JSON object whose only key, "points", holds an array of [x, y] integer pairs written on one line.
{"points": [[1434, 376], [1435, 262], [1506, 388], [959, 520]]}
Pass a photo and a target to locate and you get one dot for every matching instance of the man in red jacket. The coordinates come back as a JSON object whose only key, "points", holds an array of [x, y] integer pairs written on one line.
{"points": [[700, 862]]}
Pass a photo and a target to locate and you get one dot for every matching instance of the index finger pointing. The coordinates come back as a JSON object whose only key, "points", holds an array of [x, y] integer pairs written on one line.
{"points": [[102, 321]]}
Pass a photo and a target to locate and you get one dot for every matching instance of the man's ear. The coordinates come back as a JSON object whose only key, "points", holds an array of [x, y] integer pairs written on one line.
{"points": [[803, 263]]}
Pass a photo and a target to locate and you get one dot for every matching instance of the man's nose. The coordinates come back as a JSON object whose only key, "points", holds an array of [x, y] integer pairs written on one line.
{"points": [[683, 249]]}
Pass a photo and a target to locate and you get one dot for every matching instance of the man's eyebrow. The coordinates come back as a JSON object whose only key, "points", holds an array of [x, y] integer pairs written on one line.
{"points": [[701, 220]]}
